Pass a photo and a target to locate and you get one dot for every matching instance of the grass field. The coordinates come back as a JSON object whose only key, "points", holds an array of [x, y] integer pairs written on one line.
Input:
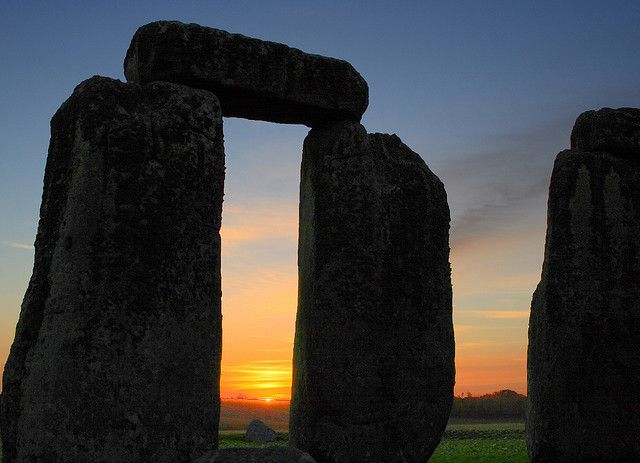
{"points": [[482, 442], [462, 442]]}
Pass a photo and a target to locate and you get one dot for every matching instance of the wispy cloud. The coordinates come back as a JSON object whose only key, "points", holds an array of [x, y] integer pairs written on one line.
{"points": [[497, 199], [460, 328], [491, 192], [259, 222], [258, 378], [499, 314], [18, 245]]}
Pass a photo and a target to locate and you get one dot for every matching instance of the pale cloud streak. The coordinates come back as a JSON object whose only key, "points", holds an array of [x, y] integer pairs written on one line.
{"points": [[257, 378], [19, 245], [491, 193], [499, 314], [244, 225]]}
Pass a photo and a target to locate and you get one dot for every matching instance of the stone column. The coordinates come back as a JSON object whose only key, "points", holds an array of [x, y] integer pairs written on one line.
{"points": [[374, 348], [117, 351], [584, 331]]}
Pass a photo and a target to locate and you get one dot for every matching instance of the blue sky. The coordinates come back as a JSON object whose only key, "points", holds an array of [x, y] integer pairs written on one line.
{"points": [[486, 92]]}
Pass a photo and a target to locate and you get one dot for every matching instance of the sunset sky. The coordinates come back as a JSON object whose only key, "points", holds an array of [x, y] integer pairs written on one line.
{"points": [[486, 92]]}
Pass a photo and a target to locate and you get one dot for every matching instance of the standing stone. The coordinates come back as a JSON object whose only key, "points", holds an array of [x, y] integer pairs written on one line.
{"points": [[615, 131], [374, 348], [253, 78], [117, 351], [584, 331]]}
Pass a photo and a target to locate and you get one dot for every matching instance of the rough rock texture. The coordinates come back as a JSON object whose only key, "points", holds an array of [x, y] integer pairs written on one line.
{"points": [[257, 431], [584, 331], [374, 348], [252, 78], [117, 350], [264, 455], [610, 130]]}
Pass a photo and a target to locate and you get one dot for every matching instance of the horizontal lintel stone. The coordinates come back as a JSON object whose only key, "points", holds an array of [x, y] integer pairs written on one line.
{"points": [[253, 79]]}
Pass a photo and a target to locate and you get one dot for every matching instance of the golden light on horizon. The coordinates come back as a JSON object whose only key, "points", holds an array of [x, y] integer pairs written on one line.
{"points": [[266, 380], [260, 299]]}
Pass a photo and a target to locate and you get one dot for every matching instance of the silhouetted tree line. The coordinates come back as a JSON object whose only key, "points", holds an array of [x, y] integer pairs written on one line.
{"points": [[501, 404]]}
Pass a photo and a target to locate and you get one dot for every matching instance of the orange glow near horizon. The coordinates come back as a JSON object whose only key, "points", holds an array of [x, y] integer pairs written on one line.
{"points": [[259, 300], [491, 290], [490, 316]]}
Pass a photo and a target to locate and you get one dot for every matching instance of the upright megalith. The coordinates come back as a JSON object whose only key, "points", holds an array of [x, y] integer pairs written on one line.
{"points": [[252, 78], [374, 348], [615, 131], [584, 331], [116, 355]]}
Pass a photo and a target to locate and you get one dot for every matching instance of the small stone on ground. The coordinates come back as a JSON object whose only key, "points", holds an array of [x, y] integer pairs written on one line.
{"points": [[257, 431]]}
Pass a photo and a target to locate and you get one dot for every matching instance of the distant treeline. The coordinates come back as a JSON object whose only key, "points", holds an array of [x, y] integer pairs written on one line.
{"points": [[236, 414], [501, 404]]}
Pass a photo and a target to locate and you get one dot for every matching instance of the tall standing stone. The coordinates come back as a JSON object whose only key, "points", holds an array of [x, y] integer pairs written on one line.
{"points": [[374, 348], [254, 79], [117, 351], [584, 331]]}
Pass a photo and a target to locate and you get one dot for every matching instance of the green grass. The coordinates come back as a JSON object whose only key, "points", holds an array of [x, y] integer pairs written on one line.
{"points": [[235, 440], [480, 450], [463, 442], [482, 442], [485, 431]]}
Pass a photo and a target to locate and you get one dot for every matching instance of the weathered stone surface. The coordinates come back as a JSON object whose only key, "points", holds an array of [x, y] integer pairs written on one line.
{"points": [[615, 131], [117, 351], [257, 431], [252, 78], [584, 330], [374, 348], [266, 455]]}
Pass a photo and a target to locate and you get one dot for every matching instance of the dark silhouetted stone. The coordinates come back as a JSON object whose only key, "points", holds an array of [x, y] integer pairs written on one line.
{"points": [[615, 131], [374, 348], [584, 331], [257, 431], [265, 455], [252, 78], [117, 351]]}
